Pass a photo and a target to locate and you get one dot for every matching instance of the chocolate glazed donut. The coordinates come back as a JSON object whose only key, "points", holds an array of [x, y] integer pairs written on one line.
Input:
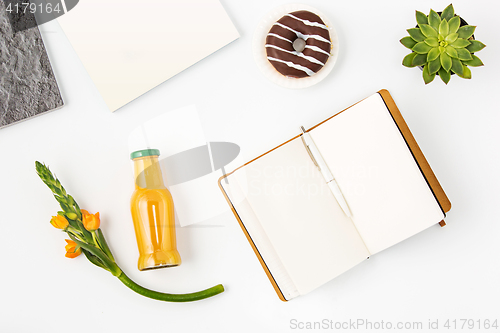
{"points": [[298, 45]]}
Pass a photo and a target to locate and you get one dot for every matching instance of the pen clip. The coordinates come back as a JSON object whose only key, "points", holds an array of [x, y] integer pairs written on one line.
{"points": [[307, 147]]}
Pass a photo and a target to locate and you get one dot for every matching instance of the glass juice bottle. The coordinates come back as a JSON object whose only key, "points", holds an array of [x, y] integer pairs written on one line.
{"points": [[153, 213]]}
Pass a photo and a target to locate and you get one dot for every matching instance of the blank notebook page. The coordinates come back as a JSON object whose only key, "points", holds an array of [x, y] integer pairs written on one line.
{"points": [[389, 198], [313, 238]]}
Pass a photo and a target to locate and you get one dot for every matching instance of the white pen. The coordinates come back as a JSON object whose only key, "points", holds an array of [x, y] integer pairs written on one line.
{"points": [[325, 171]]}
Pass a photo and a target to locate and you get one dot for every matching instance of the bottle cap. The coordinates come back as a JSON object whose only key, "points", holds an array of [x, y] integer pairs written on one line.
{"points": [[144, 152]]}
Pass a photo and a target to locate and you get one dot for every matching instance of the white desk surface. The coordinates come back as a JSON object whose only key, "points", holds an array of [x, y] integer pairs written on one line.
{"points": [[439, 274]]}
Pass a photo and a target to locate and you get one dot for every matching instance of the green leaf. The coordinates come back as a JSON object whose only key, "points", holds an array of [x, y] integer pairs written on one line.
{"points": [[448, 13], [421, 48], [475, 46], [441, 49], [451, 37], [427, 77], [464, 54], [443, 28], [433, 54], [467, 73], [407, 60], [466, 31], [419, 60], [444, 75], [445, 61], [454, 24], [460, 43], [111, 265], [421, 17], [451, 51], [457, 67], [434, 20], [416, 34], [428, 31], [434, 65], [408, 42], [475, 62], [93, 259], [104, 244], [432, 41]]}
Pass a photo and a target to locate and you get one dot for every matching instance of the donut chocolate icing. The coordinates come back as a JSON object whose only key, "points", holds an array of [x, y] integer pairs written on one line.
{"points": [[291, 58]]}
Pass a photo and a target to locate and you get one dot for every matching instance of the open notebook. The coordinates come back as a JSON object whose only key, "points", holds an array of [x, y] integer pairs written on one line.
{"points": [[294, 223]]}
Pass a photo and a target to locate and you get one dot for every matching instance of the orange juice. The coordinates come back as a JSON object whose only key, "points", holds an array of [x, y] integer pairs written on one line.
{"points": [[153, 213]]}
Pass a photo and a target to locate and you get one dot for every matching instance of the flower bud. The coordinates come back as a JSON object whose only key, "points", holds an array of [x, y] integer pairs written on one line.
{"points": [[59, 222], [72, 216], [72, 249], [91, 222]]}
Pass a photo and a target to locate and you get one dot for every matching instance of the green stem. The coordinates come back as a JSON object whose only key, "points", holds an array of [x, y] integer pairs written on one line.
{"points": [[170, 297], [95, 240], [104, 245]]}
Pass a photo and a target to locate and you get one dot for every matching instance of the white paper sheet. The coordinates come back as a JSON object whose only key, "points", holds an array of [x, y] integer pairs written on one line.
{"points": [[129, 47]]}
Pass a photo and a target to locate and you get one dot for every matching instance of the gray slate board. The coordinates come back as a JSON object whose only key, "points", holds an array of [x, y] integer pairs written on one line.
{"points": [[28, 86]]}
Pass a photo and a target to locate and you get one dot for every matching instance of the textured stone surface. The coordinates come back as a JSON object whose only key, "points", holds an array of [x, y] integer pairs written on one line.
{"points": [[27, 84]]}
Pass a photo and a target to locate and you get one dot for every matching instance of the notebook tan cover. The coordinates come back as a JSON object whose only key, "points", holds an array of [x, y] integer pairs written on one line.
{"points": [[419, 157]]}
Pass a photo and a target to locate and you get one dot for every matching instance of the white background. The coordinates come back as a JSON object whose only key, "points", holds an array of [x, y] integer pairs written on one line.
{"points": [[441, 273]]}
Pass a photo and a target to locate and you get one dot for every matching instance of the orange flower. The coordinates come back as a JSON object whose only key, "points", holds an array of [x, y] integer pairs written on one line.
{"points": [[91, 222], [72, 250], [59, 222]]}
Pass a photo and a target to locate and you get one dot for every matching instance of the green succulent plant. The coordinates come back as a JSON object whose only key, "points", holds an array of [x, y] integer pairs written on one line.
{"points": [[442, 46]]}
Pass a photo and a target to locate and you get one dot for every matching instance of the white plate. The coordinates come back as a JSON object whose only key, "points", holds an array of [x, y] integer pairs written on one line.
{"points": [[259, 51]]}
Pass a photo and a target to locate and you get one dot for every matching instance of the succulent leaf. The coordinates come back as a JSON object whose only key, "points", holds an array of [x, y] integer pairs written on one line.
{"points": [[408, 42], [443, 28], [451, 38], [467, 73], [433, 54], [422, 48], [419, 60], [454, 24], [431, 41], [448, 13], [434, 65], [441, 49], [444, 75], [428, 31], [466, 31], [407, 61], [427, 77], [460, 43], [434, 20], [421, 17], [457, 67], [475, 46], [416, 34], [464, 54], [475, 62], [451, 51], [445, 61]]}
